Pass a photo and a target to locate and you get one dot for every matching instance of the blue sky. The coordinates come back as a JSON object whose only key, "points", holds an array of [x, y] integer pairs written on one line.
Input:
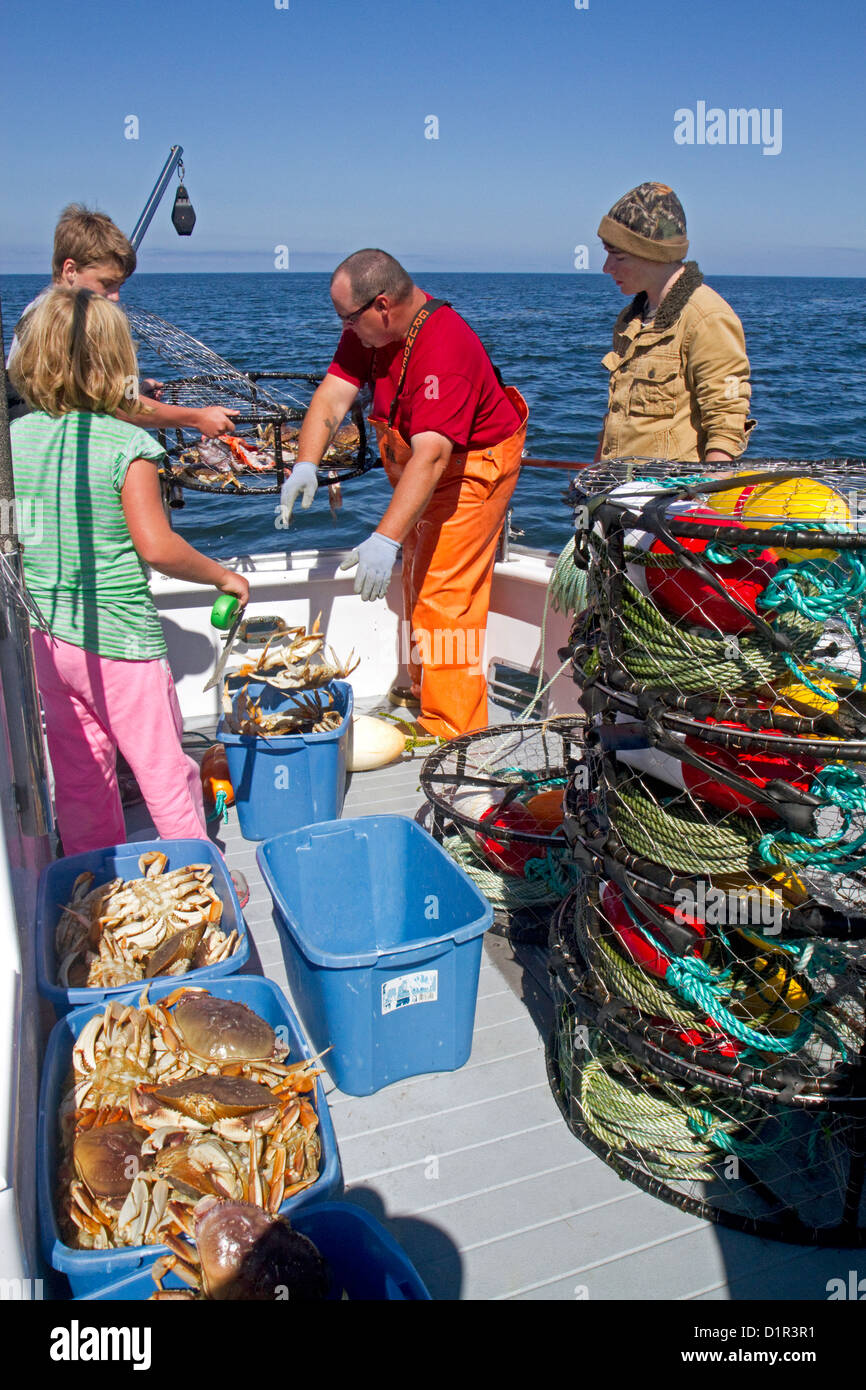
{"points": [[304, 127]]}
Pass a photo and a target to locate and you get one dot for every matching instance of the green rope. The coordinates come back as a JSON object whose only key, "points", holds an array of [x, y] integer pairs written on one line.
{"points": [[676, 1130], [567, 587], [659, 654], [506, 892], [684, 838]]}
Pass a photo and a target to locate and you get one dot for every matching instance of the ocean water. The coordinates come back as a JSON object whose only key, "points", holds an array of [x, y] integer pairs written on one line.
{"points": [[806, 340]]}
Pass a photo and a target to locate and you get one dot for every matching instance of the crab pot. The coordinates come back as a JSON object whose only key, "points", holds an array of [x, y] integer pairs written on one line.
{"points": [[88, 1270], [496, 799], [290, 780], [762, 1033], [121, 861], [364, 1261], [761, 1168], [383, 965]]}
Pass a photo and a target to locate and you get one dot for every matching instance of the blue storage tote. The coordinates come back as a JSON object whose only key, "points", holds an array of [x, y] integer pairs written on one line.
{"points": [[121, 861], [363, 1259], [291, 780], [93, 1269], [382, 935]]}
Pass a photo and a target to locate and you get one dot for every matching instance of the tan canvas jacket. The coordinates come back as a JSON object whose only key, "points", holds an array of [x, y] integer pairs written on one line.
{"points": [[679, 387]]}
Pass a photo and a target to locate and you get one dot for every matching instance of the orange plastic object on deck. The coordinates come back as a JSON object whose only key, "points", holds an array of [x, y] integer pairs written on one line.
{"points": [[215, 776]]}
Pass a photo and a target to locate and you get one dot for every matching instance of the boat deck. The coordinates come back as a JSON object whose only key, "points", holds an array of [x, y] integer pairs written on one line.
{"points": [[475, 1173]]}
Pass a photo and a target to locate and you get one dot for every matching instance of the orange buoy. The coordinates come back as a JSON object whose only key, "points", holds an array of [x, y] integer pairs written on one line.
{"points": [[547, 808]]}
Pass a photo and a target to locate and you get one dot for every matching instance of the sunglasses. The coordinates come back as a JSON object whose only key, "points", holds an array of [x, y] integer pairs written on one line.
{"points": [[356, 313]]}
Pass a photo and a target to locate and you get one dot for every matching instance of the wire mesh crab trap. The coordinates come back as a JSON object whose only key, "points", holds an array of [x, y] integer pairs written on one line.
{"points": [[722, 656], [747, 588], [497, 807], [253, 459], [725, 1009], [762, 1168]]}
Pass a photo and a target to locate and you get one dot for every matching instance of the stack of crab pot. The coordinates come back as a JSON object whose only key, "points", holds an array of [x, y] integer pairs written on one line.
{"points": [[709, 971]]}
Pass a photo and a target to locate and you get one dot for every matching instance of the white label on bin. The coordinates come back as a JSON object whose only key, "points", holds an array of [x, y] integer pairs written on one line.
{"points": [[420, 988]]}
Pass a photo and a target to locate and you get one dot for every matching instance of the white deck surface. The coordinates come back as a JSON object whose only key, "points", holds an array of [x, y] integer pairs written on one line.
{"points": [[475, 1172]]}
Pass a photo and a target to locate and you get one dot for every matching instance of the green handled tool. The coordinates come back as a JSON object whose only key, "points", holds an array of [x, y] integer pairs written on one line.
{"points": [[226, 615]]}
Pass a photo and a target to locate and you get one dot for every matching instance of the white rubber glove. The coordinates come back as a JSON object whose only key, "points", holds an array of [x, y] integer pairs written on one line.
{"points": [[375, 560], [301, 480]]}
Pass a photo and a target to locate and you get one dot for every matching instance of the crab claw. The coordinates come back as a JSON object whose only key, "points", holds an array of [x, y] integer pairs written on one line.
{"points": [[153, 863]]}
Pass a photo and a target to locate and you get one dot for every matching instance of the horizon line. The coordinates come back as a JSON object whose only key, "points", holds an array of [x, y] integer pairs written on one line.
{"points": [[564, 274]]}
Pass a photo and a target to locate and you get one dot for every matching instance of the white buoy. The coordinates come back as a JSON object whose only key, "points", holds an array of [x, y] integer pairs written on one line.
{"points": [[373, 743]]}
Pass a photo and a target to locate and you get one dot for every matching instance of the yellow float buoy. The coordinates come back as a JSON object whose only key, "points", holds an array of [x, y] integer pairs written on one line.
{"points": [[775, 988], [763, 505], [801, 698]]}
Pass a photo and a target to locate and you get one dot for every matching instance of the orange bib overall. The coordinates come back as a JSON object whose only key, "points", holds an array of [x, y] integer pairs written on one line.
{"points": [[447, 572]]}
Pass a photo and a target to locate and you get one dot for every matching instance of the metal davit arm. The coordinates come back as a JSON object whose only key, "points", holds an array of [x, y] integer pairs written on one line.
{"points": [[156, 195]]}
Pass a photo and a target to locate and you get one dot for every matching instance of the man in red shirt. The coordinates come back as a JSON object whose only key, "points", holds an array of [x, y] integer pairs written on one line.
{"points": [[451, 439]]}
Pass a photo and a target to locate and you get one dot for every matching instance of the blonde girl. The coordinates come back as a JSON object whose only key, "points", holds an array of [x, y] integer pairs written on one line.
{"points": [[91, 482]]}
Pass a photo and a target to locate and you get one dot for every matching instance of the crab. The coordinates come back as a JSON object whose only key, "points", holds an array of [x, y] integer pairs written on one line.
{"points": [[105, 1160], [197, 1165], [150, 1214], [110, 1057], [279, 1130], [287, 662], [120, 933], [221, 1103], [197, 1087], [307, 714], [242, 1253]]}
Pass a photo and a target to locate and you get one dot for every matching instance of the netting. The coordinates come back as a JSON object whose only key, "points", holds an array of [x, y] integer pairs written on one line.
{"points": [[765, 1169], [270, 406], [497, 801]]}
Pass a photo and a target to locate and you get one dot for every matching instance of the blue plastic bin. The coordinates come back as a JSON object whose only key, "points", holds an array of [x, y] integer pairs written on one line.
{"points": [[121, 861], [382, 936], [363, 1258], [282, 783], [93, 1269]]}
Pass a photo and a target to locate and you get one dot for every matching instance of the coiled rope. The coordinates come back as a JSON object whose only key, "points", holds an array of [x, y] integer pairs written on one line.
{"points": [[675, 1129]]}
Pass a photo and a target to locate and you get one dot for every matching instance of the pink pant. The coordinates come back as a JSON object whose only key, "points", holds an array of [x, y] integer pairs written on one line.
{"points": [[95, 705]]}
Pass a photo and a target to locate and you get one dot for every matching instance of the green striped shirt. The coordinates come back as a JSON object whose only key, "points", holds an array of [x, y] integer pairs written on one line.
{"points": [[79, 561]]}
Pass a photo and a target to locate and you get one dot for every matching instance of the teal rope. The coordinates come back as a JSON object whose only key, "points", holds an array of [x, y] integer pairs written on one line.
{"points": [[711, 1127], [836, 785], [555, 871], [836, 584], [695, 981], [220, 810]]}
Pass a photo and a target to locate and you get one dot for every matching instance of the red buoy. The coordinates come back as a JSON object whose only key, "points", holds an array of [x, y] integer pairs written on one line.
{"points": [[511, 856], [758, 768], [642, 952], [684, 594]]}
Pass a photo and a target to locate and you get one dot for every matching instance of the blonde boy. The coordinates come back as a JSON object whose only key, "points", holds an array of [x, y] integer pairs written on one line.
{"points": [[91, 253]]}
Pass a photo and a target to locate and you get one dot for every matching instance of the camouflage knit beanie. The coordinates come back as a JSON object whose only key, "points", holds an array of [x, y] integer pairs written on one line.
{"points": [[648, 222]]}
